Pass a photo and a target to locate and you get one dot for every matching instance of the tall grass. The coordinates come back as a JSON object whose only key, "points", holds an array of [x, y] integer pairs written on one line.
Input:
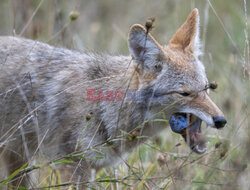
{"points": [[102, 26]]}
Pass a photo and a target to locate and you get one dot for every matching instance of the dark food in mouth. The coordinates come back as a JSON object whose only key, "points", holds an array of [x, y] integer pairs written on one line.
{"points": [[189, 126], [178, 122]]}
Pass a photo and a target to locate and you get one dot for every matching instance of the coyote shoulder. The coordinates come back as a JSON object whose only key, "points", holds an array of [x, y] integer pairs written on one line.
{"points": [[57, 102]]}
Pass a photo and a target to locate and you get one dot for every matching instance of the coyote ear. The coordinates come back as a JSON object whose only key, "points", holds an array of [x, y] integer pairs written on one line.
{"points": [[187, 36], [142, 46]]}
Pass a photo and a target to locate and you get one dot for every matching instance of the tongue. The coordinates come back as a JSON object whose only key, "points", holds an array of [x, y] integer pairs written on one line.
{"points": [[199, 144], [196, 141]]}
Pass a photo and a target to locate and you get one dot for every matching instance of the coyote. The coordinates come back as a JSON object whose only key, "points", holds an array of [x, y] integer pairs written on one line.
{"points": [[57, 102]]}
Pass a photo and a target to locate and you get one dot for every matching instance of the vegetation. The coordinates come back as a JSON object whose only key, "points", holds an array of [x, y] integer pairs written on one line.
{"points": [[102, 26]]}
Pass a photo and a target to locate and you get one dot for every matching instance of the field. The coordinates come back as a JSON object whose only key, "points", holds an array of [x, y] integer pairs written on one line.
{"points": [[165, 162]]}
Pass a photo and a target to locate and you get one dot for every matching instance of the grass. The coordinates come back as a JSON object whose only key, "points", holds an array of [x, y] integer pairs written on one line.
{"points": [[165, 162]]}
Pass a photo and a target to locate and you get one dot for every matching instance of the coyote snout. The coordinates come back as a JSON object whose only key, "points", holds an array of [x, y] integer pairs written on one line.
{"points": [[200, 108]]}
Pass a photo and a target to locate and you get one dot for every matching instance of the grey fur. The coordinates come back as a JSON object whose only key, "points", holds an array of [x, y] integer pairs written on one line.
{"points": [[43, 105]]}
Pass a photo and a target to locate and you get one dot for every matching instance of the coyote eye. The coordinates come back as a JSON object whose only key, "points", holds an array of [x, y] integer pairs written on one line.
{"points": [[184, 93]]}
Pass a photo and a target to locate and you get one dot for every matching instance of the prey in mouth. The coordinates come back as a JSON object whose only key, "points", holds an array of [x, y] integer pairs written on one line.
{"points": [[189, 126]]}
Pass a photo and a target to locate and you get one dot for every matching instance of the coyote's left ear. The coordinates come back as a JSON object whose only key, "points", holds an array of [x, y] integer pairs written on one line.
{"points": [[144, 48], [187, 36]]}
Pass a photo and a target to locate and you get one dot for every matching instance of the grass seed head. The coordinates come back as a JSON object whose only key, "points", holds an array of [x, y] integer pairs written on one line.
{"points": [[149, 23], [213, 85], [74, 15]]}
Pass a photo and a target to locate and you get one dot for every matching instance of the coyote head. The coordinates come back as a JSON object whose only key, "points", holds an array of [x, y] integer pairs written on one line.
{"points": [[174, 73]]}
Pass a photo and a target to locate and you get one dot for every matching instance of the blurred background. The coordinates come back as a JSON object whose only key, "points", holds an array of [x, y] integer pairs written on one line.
{"points": [[102, 27]]}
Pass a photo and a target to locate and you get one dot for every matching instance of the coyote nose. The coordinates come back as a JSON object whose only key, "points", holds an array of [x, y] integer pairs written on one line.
{"points": [[219, 122]]}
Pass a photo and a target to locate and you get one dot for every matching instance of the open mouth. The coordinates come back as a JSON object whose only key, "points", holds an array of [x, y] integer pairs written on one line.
{"points": [[189, 126]]}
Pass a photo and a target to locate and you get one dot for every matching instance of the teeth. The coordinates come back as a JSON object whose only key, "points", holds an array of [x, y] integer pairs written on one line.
{"points": [[189, 117], [200, 149]]}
